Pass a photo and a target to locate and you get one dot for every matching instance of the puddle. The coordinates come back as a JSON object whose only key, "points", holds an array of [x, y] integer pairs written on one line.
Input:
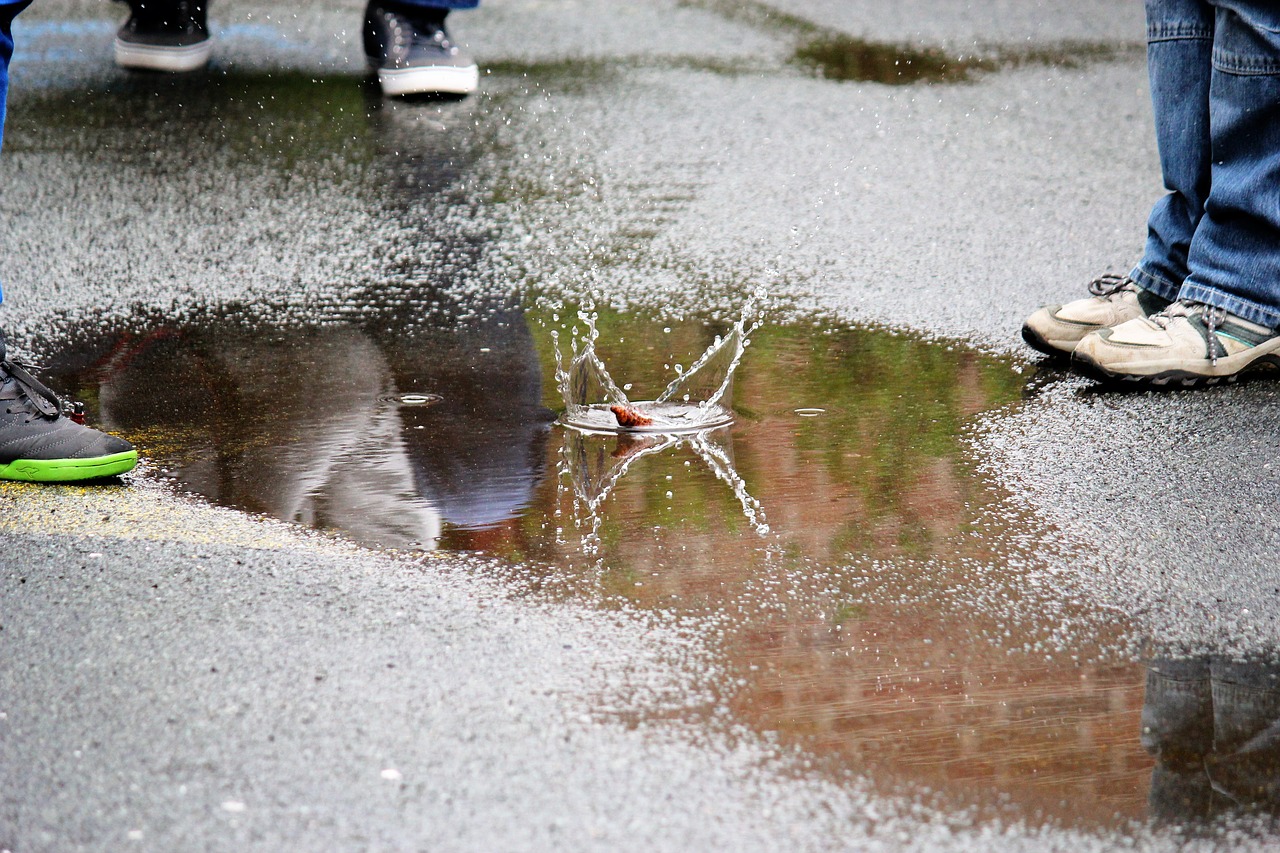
{"points": [[838, 57], [836, 534], [846, 58], [835, 55], [833, 532]]}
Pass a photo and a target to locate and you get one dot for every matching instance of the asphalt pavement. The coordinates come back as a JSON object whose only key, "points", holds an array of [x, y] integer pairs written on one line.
{"points": [[178, 676]]}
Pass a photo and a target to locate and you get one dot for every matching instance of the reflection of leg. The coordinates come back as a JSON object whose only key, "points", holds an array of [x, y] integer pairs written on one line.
{"points": [[338, 459], [1246, 733], [1179, 47], [1177, 728], [164, 35], [410, 49]]}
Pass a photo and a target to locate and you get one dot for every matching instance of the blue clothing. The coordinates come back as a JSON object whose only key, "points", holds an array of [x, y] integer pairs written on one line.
{"points": [[8, 11], [1215, 86]]}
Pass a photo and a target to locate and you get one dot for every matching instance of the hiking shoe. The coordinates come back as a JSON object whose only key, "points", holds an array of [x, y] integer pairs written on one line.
{"points": [[164, 35], [39, 444], [1056, 329], [410, 49], [1187, 344]]}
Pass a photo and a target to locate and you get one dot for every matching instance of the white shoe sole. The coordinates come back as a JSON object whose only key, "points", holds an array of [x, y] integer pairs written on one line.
{"points": [[1160, 373], [152, 58], [444, 80]]}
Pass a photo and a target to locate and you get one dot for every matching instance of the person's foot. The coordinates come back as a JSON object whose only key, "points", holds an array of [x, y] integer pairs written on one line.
{"points": [[1056, 329], [410, 49], [164, 35], [39, 444], [1186, 345]]}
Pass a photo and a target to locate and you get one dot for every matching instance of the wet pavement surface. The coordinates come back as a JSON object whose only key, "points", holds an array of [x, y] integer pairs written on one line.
{"points": [[925, 591]]}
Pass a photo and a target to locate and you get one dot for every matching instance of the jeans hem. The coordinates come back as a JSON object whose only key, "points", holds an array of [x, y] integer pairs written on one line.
{"points": [[1178, 32], [1246, 309], [1155, 284]]}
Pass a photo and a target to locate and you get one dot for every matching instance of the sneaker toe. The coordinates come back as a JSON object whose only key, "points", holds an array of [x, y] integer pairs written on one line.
{"points": [[94, 443]]}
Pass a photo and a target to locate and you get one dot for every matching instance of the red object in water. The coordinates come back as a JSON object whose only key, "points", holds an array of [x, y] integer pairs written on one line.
{"points": [[77, 413], [629, 417]]}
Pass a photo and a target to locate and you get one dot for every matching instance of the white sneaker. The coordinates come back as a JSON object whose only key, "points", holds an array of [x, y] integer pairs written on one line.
{"points": [[1057, 329], [1186, 345]]}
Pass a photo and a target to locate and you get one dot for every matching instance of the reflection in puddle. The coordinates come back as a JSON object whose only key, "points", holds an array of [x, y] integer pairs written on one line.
{"points": [[847, 58], [594, 464], [1214, 728], [871, 621]]}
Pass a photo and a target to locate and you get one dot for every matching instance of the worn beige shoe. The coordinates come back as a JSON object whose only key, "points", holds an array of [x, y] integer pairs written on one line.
{"points": [[1187, 345], [1056, 329]]}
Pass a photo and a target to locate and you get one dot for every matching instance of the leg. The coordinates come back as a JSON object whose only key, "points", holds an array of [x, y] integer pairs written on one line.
{"points": [[8, 11], [1179, 41], [1179, 48], [37, 442], [1227, 317], [1235, 256]]}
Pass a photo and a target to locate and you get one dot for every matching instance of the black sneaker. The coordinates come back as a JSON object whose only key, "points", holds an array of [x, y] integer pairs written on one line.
{"points": [[412, 53], [164, 35], [39, 444]]}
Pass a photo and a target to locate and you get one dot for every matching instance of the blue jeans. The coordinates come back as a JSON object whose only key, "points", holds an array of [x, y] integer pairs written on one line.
{"points": [[1215, 86], [9, 9]]}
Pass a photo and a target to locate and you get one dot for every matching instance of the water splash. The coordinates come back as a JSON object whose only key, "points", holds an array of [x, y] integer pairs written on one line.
{"points": [[693, 401], [710, 379], [585, 381], [593, 469]]}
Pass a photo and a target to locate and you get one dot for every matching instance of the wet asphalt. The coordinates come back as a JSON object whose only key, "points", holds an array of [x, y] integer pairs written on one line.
{"points": [[177, 676]]}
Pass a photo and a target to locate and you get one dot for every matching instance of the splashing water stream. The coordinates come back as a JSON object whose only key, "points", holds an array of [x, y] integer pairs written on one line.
{"points": [[691, 402]]}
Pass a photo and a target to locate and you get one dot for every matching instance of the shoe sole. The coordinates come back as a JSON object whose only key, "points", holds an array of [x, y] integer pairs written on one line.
{"points": [[1040, 344], [68, 470], [1170, 379], [140, 57], [438, 80]]}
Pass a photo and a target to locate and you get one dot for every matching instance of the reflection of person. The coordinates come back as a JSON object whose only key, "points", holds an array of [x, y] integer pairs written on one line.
{"points": [[38, 442], [1203, 304], [1214, 729], [406, 43], [339, 451]]}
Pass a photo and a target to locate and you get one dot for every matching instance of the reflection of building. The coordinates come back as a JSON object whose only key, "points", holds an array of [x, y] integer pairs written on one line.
{"points": [[1214, 729]]}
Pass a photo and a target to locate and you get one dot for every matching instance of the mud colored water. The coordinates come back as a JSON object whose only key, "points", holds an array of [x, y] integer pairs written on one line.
{"points": [[834, 533]]}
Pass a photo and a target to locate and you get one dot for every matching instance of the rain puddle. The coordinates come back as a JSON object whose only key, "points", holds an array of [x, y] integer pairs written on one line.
{"points": [[819, 508], [835, 533], [835, 55]]}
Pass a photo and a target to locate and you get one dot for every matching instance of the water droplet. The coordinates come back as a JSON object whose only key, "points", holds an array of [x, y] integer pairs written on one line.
{"points": [[413, 399]]}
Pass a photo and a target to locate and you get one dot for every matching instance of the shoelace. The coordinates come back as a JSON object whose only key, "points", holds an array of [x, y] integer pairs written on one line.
{"points": [[29, 393], [1213, 317], [1110, 283]]}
